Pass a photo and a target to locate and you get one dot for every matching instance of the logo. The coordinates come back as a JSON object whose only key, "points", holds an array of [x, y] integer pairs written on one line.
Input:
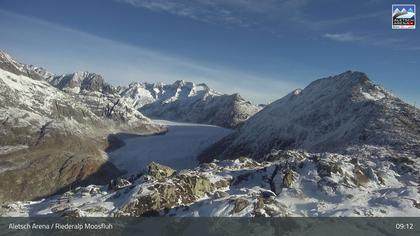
{"points": [[403, 16]]}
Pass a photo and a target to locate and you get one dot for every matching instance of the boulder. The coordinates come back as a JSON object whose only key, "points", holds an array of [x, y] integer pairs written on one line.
{"points": [[288, 179], [160, 172], [119, 183], [195, 186], [360, 177], [72, 213], [182, 189], [240, 204], [220, 194]]}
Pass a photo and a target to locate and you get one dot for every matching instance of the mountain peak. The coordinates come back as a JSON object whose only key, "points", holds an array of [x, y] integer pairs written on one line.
{"points": [[350, 84], [8, 63], [183, 83], [348, 77], [330, 114], [82, 81], [6, 57]]}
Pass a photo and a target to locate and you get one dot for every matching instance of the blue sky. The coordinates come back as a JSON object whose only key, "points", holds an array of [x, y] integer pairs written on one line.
{"points": [[262, 49]]}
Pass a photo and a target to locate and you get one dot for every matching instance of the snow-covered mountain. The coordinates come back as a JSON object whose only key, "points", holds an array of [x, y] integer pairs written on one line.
{"points": [[181, 101], [188, 102], [329, 115], [50, 139], [102, 98], [81, 82], [146, 93], [8, 63]]}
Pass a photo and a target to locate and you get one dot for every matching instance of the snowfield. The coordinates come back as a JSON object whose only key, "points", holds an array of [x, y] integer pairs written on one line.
{"points": [[178, 148]]}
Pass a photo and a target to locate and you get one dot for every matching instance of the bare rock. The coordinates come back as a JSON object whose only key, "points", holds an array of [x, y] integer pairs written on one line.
{"points": [[240, 204], [220, 194], [288, 179], [159, 171], [118, 183]]}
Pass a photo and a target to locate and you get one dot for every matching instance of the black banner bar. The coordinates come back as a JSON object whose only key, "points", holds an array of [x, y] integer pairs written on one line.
{"points": [[210, 226]]}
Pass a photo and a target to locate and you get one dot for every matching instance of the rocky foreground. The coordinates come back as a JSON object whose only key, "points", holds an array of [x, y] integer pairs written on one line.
{"points": [[285, 183]]}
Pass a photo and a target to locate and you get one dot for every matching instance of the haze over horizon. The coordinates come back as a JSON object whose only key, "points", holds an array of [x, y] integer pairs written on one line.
{"points": [[262, 51]]}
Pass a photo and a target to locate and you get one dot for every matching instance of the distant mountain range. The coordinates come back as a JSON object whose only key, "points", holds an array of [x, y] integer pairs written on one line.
{"points": [[181, 101], [188, 102]]}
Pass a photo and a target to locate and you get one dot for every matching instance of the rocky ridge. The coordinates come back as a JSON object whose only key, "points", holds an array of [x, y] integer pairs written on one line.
{"points": [[283, 183]]}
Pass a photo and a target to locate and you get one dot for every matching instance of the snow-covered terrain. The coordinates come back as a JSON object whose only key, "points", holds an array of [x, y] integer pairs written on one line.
{"points": [[177, 148], [31, 104], [286, 183]]}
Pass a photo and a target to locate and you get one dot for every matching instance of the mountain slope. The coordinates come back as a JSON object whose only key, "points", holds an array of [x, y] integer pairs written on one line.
{"points": [[329, 115], [50, 140], [188, 102], [7, 63]]}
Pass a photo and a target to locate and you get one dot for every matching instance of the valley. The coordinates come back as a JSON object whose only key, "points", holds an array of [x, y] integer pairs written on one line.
{"points": [[178, 147]]}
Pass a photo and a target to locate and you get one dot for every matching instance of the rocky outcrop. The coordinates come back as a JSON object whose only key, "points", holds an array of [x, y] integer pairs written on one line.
{"points": [[117, 184], [182, 189], [240, 204], [285, 183], [288, 179], [160, 172]]}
